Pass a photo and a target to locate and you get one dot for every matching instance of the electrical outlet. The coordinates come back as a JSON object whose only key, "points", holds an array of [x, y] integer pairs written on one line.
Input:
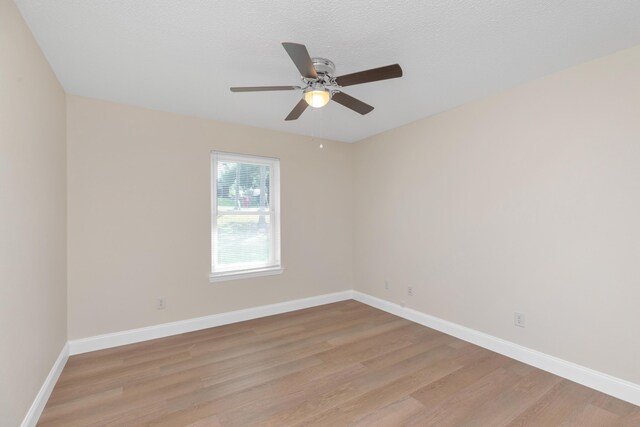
{"points": [[161, 303], [386, 284], [518, 319], [410, 291]]}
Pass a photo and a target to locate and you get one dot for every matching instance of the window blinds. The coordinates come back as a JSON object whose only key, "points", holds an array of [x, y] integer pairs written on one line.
{"points": [[245, 220]]}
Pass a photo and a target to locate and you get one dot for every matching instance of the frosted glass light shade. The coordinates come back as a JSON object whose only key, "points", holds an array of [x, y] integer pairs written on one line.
{"points": [[317, 98]]}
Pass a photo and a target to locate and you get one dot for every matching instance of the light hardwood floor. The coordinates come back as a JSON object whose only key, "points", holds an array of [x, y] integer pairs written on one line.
{"points": [[334, 365]]}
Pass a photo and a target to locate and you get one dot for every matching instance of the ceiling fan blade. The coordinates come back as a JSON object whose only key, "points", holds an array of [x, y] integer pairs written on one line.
{"points": [[372, 75], [262, 88], [297, 110], [352, 103], [300, 57]]}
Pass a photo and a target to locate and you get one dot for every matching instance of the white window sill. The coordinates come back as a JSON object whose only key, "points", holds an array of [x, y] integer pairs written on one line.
{"points": [[234, 275]]}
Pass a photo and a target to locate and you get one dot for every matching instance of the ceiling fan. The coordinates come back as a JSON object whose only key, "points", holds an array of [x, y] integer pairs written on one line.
{"points": [[320, 85]]}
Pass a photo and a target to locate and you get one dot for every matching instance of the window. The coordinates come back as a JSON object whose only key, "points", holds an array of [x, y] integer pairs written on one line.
{"points": [[245, 220]]}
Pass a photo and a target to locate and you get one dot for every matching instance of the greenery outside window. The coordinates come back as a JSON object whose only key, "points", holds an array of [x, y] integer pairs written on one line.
{"points": [[245, 220]]}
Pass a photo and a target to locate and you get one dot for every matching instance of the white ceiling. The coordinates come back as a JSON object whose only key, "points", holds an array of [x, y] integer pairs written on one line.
{"points": [[182, 55]]}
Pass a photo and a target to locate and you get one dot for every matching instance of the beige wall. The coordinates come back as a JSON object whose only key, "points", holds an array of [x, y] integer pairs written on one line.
{"points": [[139, 217], [525, 201], [33, 303]]}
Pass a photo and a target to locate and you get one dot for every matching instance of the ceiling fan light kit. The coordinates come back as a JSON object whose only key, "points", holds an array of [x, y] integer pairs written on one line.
{"points": [[317, 96], [321, 85]]}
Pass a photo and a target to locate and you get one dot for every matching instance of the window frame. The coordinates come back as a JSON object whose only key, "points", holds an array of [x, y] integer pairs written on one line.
{"points": [[274, 265]]}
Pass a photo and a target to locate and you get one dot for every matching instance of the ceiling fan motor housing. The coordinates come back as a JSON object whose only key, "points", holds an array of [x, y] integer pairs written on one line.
{"points": [[324, 66]]}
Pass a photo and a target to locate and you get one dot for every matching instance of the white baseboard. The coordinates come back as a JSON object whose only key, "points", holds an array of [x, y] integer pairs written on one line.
{"points": [[605, 383], [34, 412], [596, 380], [131, 336]]}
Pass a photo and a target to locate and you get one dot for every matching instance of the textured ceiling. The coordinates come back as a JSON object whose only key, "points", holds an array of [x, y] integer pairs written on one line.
{"points": [[182, 55]]}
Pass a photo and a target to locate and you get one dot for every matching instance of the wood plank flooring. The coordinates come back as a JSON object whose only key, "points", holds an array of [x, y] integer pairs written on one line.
{"points": [[342, 364]]}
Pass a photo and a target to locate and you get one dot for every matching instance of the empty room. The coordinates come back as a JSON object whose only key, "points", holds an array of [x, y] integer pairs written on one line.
{"points": [[338, 213]]}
